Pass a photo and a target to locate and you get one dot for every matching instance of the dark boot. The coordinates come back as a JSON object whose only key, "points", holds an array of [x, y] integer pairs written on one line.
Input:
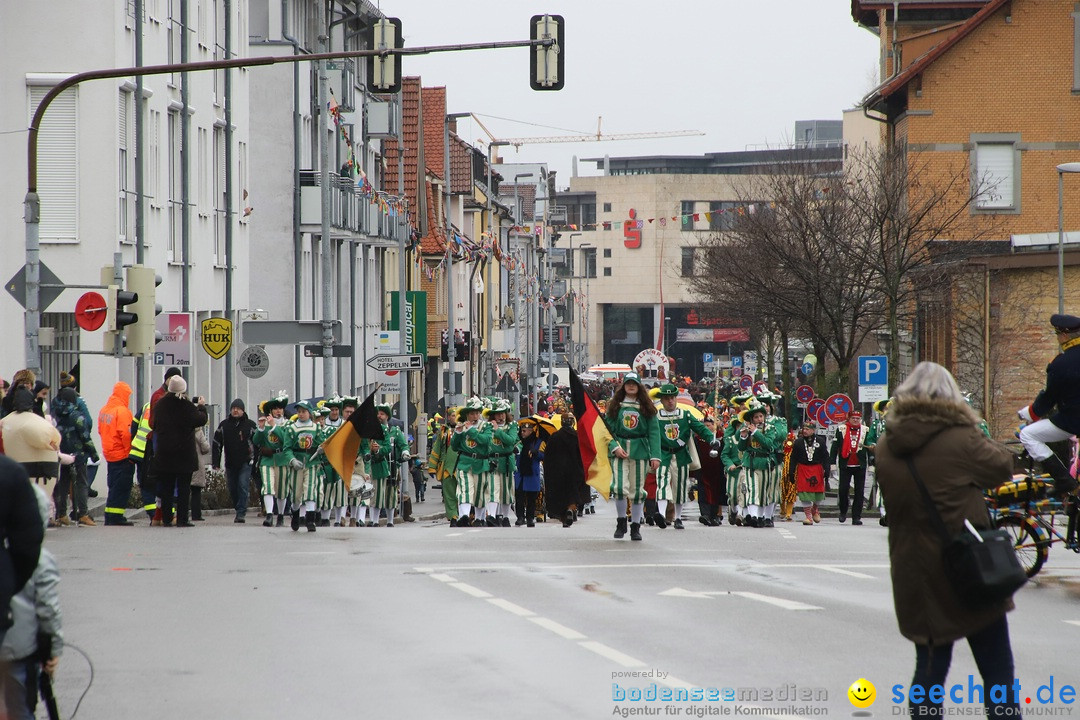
{"points": [[280, 520], [1064, 483], [620, 528], [295, 520], [268, 521], [309, 518], [635, 531]]}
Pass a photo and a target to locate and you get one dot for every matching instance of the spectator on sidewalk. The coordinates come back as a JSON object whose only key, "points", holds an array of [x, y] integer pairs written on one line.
{"points": [[174, 421], [41, 398], [201, 477], [35, 641], [21, 533], [233, 439], [24, 379], [76, 440], [114, 427], [32, 440]]}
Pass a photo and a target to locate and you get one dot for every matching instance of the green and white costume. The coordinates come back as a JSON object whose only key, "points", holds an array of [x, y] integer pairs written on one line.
{"points": [[473, 465], [639, 436], [276, 475]]}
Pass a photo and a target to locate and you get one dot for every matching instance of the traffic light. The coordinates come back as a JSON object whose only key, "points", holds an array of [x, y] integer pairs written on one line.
{"points": [[547, 62], [143, 336], [384, 71], [116, 317]]}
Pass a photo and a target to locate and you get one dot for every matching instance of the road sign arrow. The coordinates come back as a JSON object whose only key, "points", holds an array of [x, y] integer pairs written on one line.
{"points": [[383, 363]]}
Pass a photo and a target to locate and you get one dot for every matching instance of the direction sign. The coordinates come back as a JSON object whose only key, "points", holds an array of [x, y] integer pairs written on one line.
{"points": [[746, 382], [812, 406], [807, 368], [838, 406], [90, 311], [17, 286], [382, 363], [286, 332], [804, 393], [254, 362]]}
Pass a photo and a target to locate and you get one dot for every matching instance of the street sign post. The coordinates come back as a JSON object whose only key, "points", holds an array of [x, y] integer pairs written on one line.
{"points": [[382, 363], [286, 332], [873, 378]]}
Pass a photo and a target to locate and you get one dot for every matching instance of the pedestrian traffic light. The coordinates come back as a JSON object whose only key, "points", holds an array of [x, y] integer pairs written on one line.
{"points": [[143, 335], [547, 62], [384, 71]]}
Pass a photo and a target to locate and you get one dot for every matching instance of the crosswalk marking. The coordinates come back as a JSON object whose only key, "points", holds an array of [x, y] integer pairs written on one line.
{"points": [[611, 654]]}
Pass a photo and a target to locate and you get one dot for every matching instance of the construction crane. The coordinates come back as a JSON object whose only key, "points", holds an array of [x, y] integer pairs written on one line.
{"points": [[599, 137]]}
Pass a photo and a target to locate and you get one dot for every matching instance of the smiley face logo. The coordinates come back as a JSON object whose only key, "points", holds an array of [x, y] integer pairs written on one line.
{"points": [[862, 693]]}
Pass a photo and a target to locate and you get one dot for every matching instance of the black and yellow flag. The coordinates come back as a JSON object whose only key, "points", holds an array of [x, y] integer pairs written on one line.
{"points": [[343, 446]]}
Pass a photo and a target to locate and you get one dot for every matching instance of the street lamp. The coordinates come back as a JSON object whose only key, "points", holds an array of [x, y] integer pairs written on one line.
{"points": [[1071, 167], [488, 366], [451, 355]]}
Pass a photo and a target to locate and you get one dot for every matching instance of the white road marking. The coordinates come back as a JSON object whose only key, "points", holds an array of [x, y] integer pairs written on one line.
{"points": [[442, 577], [470, 590], [454, 534], [778, 602], [511, 607], [313, 552], [560, 630], [611, 654], [1071, 622]]}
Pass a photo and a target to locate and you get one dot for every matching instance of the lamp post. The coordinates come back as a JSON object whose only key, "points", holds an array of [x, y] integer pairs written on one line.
{"points": [[517, 280], [451, 356], [586, 307], [488, 366], [1071, 167]]}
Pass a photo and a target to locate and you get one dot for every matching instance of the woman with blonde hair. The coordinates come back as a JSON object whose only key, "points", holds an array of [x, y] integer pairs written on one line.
{"points": [[931, 425]]}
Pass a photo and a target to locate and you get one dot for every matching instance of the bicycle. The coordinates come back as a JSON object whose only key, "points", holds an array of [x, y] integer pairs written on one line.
{"points": [[1022, 507]]}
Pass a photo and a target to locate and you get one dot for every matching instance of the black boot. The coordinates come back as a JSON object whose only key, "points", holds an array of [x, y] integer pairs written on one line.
{"points": [[268, 521], [635, 531], [620, 528], [280, 520], [295, 520], [309, 518], [1064, 483]]}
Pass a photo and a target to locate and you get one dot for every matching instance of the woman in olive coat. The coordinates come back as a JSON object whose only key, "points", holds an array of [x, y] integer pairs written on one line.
{"points": [[929, 422]]}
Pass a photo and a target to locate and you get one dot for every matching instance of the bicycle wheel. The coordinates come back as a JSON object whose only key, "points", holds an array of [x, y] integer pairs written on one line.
{"points": [[1031, 547]]}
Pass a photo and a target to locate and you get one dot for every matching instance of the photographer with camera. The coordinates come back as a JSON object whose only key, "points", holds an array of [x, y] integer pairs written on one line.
{"points": [[174, 421]]}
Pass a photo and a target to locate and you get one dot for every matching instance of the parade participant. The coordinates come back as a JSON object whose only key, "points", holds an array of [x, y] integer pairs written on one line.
{"points": [[359, 496], [273, 439], [1061, 396], [472, 436], [527, 477], [788, 492], [565, 490], [635, 449], [441, 462], [758, 447], [334, 497], [732, 459], [677, 428], [383, 458], [873, 435], [307, 484], [777, 428], [711, 480], [504, 444], [849, 456], [810, 459]]}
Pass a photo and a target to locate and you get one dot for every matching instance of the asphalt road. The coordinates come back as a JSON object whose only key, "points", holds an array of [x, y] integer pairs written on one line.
{"points": [[240, 621]]}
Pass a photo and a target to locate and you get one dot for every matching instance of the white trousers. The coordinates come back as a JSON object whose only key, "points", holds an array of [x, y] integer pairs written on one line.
{"points": [[1037, 434]]}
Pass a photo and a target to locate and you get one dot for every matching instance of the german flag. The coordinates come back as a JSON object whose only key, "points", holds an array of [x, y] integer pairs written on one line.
{"points": [[342, 448], [593, 438]]}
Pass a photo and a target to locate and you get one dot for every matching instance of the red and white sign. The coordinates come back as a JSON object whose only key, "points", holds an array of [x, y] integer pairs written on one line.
{"points": [[176, 339], [90, 311], [838, 406], [804, 393], [653, 367], [812, 408]]}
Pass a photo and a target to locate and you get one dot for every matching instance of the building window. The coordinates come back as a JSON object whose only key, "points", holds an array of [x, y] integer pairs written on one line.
{"points": [[589, 261], [607, 252], [153, 173], [607, 207], [204, 172], [58, 172], [176, 252], [588, 214], [688, 262], [995, 172], [607, 272], [125, 224], [722, 215], [687, 213]]}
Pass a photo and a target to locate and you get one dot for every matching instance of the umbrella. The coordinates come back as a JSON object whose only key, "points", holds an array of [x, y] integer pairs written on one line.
{"points": [[542, 424]]}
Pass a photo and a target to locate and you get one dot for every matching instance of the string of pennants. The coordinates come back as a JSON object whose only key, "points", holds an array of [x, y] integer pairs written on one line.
{"points": [[640, 223]]}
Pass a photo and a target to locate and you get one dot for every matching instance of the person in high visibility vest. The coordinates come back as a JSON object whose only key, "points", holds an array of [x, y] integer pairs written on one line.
{"points": [[140, 445]]}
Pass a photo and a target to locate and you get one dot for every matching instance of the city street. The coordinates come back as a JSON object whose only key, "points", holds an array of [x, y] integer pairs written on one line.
{"points": [[231, 621]]}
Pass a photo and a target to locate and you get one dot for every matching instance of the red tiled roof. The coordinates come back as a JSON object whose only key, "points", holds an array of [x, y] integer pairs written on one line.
{"points": [[461, 168], [527, 194], [434, 129], [900, 81]]}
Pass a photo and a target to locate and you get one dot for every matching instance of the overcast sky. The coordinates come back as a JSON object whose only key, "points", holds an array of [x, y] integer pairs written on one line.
{"points": [[741, 71]]}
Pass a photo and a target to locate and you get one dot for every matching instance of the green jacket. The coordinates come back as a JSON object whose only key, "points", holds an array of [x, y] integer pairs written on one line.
{"points": [[279, 440], [759, 450], [730, 454], [638, 435], [676, 431], [503, 448], [442, 458], [393, 449], [472, 447], [306, 441]]}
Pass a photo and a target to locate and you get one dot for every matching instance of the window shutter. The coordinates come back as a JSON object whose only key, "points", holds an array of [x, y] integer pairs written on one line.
{"points": [[57, 167], [994, 165]]}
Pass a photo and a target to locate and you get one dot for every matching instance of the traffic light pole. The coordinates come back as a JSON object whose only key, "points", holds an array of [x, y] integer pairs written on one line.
{"points": [[32, 201]]}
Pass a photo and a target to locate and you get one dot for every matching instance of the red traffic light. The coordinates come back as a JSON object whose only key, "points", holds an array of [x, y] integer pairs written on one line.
{"points": [[90, 311]]}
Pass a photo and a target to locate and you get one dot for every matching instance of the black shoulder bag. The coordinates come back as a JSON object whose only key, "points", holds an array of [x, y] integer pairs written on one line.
{"points": [[981, 564]]}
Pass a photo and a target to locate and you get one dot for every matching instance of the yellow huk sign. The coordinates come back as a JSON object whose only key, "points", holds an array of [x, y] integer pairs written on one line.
{"points": [[217, 335]]}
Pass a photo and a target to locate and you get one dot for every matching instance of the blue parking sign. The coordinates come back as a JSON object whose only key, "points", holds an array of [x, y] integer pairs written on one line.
{"points": [[736, 361], [707, 357], [873, 370]]}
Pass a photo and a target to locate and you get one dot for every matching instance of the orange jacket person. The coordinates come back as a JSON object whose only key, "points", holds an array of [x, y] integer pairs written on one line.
{"points": [[114, 427]]}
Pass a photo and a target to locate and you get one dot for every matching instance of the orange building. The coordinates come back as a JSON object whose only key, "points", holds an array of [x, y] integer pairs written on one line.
{"points": [[989, 90]]}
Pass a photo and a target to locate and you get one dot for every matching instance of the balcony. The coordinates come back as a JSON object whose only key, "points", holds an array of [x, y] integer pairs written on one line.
{"points": [[350, 211]]}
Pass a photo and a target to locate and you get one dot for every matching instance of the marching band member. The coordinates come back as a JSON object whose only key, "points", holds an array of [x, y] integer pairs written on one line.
{"points": [[635, 450], [733, 466], [504, 445], [471, 439], [759, 447], [384, 457], [333, 501], [441, 462], [811, 461], [308, 477], [776, 426], [273, 439], [677, 428], [849, 456]]}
